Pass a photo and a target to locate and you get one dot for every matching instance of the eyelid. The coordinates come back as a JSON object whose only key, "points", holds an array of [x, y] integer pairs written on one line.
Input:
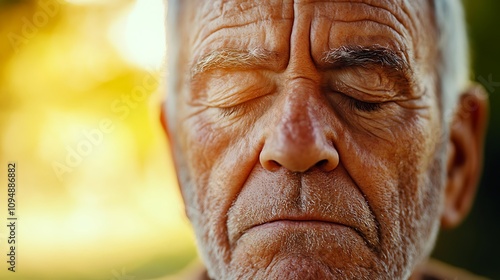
{"points": [[230, 89], [363, 106], [366, 84], [242, 108], [365, 94]]}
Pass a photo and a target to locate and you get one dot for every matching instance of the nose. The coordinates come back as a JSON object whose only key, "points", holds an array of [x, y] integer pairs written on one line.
{"points": [[299, 142]]}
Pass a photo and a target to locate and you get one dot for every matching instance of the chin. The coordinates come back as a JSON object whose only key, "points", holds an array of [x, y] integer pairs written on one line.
{"points": [[301, 255], [294, 267], [300, 267]]}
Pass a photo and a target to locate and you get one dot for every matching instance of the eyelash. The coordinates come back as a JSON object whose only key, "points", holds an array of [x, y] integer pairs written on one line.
{"points": [[355, 104], [229, 111], [244, 107]]}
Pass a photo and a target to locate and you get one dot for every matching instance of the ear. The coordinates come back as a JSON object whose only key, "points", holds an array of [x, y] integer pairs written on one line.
{"points": [[465, 155]]}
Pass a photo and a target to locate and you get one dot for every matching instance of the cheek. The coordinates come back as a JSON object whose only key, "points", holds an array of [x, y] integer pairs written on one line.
{"points": [[202, 144], [219, 157], [396, 164], [214, 150]]}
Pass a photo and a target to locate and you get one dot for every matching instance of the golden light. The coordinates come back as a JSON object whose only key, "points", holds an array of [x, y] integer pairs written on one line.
{"points": [[117, 206], [91, 2], [139, 34]]}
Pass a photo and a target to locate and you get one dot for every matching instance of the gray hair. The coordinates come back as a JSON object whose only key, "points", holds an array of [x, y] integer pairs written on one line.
{"points": [[453, 68], [452, 71]]}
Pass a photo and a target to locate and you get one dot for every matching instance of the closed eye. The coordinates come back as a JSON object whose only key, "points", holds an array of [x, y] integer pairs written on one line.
{"points": [[255, 105], [355, 104]]}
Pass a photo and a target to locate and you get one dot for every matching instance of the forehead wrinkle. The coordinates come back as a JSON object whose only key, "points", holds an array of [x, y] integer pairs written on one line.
{"points": [[398, 10], [405, 13], [334, 12], [393, 12], [402, 17], [208, 34], [227, 14], [365, 20]]}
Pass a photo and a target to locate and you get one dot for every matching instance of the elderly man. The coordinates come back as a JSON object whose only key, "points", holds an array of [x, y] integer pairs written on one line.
{"points": [[322, 139]]}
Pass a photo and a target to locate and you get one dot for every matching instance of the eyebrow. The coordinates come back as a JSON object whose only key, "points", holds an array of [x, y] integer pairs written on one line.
{"points": [[232, 58], [342, 57], [358, 56]]}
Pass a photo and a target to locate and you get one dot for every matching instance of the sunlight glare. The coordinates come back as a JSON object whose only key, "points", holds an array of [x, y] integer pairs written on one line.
{"points": [[139, 35]]}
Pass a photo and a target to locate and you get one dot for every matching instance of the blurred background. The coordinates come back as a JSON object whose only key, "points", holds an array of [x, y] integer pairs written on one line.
{"points": [[80, 90]]}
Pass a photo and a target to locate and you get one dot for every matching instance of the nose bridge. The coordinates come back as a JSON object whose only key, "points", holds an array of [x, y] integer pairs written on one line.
{"points": [[296, 124], [299, 140]]}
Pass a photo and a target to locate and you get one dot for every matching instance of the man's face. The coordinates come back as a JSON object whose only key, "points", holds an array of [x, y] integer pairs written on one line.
{"points": [[307, 137]]}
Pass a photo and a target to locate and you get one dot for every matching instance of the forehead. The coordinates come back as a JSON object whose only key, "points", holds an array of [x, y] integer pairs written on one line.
{"points": [[268, 24]]}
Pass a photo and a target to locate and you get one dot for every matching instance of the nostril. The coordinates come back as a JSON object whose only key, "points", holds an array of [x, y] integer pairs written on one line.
{"points": [[271, 165], [330, 163], [322, 164]]}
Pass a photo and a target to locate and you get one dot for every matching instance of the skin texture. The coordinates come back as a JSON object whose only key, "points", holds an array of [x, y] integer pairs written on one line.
{"points": [[309, 142]]}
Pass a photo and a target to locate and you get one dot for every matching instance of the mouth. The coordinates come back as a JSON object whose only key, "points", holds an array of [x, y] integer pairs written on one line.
{"points": [[294, 224], [293, 221], [299, 223]]}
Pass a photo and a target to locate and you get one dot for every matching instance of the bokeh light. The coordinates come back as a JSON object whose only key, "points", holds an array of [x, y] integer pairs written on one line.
{"points": [[80, 94], [139, 34]]}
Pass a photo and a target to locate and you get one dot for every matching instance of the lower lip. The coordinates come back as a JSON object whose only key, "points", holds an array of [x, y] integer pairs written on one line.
{"points": [[282, 228]]}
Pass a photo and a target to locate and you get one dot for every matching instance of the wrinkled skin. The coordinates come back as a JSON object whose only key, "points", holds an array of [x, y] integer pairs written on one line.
{"points": [[296, 166]]}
